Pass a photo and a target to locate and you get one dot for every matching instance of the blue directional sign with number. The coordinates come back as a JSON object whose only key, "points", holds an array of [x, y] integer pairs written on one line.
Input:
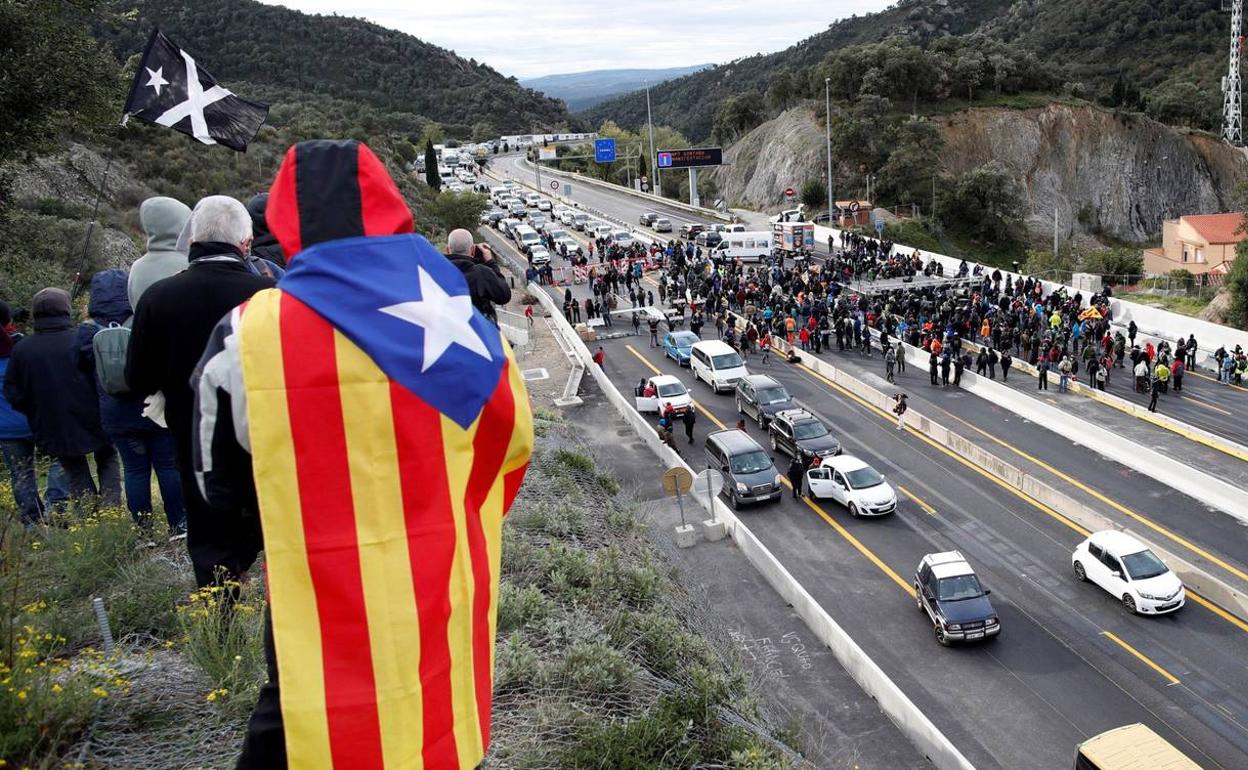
{"points": [[604, 150]]}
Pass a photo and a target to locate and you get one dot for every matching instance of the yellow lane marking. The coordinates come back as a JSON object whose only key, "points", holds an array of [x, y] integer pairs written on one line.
{"points": [[1212, 607], [855, 542], [656, 370], [1206, 404], [1173, 537], [926, 508], [1141, 657], [1211, 378]]}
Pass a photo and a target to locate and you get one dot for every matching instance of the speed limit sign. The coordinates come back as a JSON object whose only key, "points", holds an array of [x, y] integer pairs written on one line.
{"points": [[554, 185]]}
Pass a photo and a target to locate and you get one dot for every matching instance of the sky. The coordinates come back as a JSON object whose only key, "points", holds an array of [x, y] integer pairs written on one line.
{"points": [[528, 38]]}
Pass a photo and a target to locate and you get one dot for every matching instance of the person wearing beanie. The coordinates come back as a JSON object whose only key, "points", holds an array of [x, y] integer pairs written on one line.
{"points": [[43, 383]]}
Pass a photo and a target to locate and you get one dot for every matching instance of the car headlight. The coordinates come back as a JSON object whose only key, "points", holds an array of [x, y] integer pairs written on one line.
{"points": [[991, 621], [954, 627], [1151, 596], [742, 488], [779, 480]]}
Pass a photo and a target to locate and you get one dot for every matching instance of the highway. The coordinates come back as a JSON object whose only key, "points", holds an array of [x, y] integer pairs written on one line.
{"points": [[1070, 662]]}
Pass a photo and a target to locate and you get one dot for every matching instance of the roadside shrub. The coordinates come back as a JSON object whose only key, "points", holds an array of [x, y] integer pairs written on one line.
{"points": [[591, 669], [518, 607], [46, 701], [516, 665], [223, 638]]}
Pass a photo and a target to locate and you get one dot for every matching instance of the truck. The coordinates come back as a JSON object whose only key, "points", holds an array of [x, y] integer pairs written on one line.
{"points": [[793, 239]]}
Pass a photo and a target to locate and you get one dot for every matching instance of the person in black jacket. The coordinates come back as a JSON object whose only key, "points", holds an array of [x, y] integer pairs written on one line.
{"points": [[172, 324], [58, 398], [485, 280]]}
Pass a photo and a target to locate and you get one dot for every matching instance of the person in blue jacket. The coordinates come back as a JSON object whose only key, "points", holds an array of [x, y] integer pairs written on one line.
{"points": [[17, 444], [143, 445]]}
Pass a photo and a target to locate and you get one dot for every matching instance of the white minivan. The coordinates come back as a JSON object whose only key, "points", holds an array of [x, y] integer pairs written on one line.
{"points": [[717, 364], [747, 247]]}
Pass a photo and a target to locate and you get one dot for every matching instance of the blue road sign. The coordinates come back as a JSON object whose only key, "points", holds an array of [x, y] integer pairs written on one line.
{"points": [[879, 227], [604, 150], [665, 160]]}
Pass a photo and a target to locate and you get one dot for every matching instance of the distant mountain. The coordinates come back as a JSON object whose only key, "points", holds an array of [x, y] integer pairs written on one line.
{"points": [[582, 90], [342, 57]]}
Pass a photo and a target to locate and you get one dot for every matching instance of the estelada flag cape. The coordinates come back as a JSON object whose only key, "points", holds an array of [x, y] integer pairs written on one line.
{"points": [[390, 430]]}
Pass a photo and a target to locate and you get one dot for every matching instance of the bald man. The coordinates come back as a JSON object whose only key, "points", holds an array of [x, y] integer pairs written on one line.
{"points": [[485, 279]]}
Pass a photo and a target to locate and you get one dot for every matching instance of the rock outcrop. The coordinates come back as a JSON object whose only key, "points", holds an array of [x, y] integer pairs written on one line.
{"points": [[1107, 175]]}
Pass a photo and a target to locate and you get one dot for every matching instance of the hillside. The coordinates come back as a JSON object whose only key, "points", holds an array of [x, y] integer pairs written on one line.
{"points": [[342, 57], [688, 104], [582, 90], [1163, 56]]}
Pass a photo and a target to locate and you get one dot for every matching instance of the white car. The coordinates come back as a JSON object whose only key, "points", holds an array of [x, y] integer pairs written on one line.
{"points": [[567, 217], [532, 199], [668, 391], [622, 238], [567, 247], [538, 222], [852, 483], [601, 231], [543, 205], [539, 256], [508, 225], [1129, 571]]}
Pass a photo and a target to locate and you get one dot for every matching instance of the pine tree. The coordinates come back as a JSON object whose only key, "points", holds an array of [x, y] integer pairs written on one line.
{"points": [[431, 166]]}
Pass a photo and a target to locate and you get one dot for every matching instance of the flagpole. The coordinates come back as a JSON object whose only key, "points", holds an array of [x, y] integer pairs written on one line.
{"points": [[79, 283]]}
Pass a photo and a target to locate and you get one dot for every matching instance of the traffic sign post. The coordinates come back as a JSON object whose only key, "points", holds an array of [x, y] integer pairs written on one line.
{"points": [[677, 482], [567, 190], [710, 482], [554, 184], [604, 150], [879, 227]]}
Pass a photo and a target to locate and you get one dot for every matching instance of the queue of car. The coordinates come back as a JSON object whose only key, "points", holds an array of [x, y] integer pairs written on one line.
{"points": [[946, 587]]}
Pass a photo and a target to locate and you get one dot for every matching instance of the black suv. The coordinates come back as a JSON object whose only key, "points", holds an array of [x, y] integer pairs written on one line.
{"points": [[947, 590], [800, 434], [762, 398]]}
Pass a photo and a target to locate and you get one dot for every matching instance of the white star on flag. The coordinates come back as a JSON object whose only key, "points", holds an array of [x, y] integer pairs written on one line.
{"points": [[444, 317], [156, 79]]}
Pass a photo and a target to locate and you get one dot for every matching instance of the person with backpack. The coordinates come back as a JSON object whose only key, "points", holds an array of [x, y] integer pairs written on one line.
{"points": [[59, 400], [172, 324], [900, 410], [143, 446]]}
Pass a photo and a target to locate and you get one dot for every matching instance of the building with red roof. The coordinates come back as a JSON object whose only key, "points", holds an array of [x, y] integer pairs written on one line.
{"points": [[1198, 243]]}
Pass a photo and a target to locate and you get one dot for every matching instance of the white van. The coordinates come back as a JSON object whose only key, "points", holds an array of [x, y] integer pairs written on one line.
{"points": [[748, 247], [527, 238], [717, 364]]}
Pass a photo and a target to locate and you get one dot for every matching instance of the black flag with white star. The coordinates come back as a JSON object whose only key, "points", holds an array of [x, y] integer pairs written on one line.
{"points": [[169, 89]]}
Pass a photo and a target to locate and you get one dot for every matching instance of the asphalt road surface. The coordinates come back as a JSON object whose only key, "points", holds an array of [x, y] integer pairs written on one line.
{"points": [[1070, 663]]}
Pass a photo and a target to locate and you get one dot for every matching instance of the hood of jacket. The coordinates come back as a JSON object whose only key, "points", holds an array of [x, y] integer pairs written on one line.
{"points": [[163, 219], [50, 309], [109, 303], [327, 190], [263, 243]]}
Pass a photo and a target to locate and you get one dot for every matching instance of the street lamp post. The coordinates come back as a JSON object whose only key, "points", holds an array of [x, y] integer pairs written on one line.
{"points": [[654, 166], [827, 123]]}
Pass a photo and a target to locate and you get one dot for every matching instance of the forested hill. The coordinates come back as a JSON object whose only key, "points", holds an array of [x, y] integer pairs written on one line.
{"points": [[342, 57], [688, 104], [1164, 57]]}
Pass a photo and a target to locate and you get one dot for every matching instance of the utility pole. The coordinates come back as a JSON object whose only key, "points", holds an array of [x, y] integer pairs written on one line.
{"points": [[1055, 230], [827, 126], [1232, 90], [654, 158]]}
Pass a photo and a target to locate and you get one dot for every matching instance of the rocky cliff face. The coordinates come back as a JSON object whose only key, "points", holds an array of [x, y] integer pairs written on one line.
{"points": [[1105, 175]]}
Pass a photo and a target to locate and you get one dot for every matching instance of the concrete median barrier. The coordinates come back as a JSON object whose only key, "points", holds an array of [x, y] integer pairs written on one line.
{"points": [[911, 720]]}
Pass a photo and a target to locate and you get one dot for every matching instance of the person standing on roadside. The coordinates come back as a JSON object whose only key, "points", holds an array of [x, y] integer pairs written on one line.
{"points": [[1042, 369], [689, 419], [172, 323], [1176, 374], [797, 474], [900, 410], [1156, 391], [1006, 362]]}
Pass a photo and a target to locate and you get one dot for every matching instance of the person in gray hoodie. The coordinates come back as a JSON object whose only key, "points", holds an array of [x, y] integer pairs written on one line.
{"points": [[163, 220]]}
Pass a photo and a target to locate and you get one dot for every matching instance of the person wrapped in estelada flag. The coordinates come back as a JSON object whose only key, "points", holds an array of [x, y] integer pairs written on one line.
{"points": [[389, 430]]}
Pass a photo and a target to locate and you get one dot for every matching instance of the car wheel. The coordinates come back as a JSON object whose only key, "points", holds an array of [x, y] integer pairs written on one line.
{"points": [[941, 639], [774, 446], [918, 598], [740, 407], [1128, 603], [1080, 573], [762, 420], [853, 510]]}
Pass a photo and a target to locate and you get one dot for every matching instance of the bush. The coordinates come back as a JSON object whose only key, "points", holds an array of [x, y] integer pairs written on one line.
{"points": [[223, 637], [46, 701]]}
